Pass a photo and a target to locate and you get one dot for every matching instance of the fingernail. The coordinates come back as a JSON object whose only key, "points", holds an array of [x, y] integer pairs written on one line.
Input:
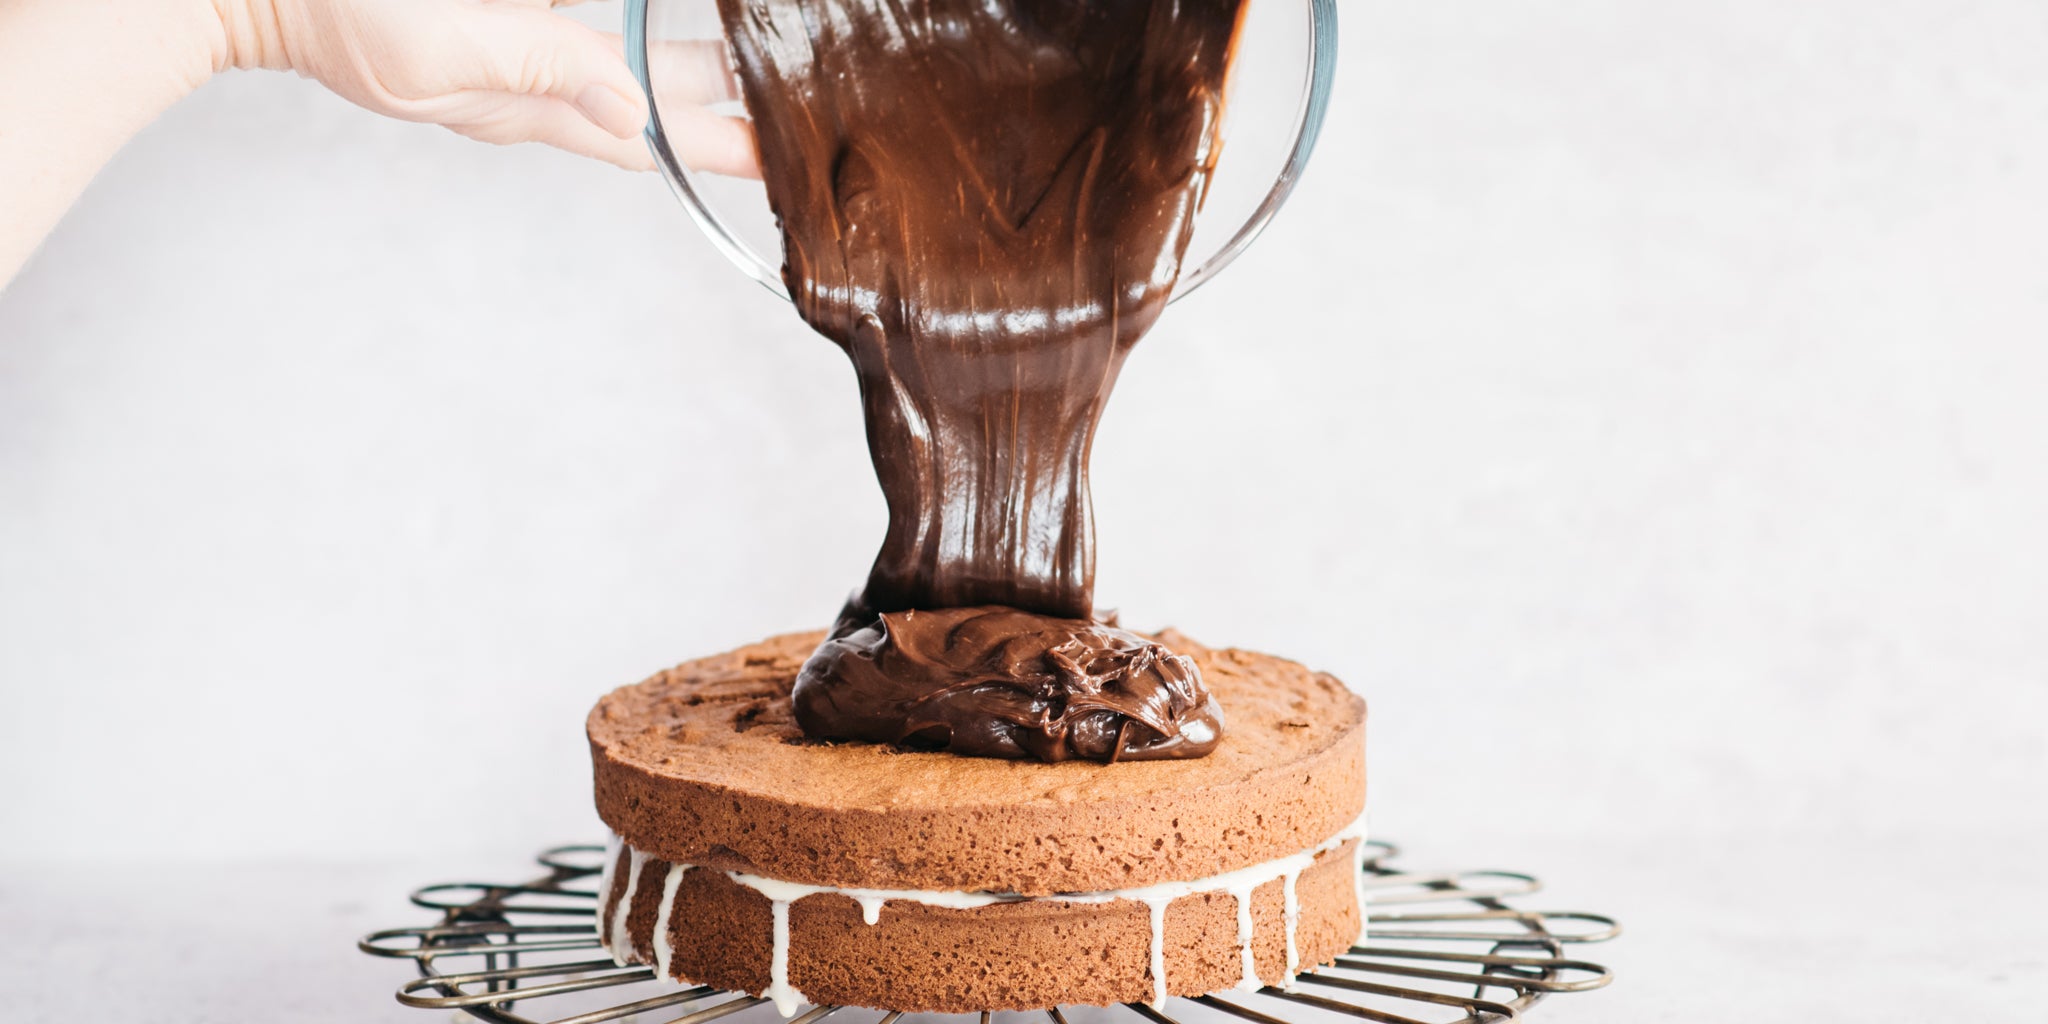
{"points": [[610, 111]]}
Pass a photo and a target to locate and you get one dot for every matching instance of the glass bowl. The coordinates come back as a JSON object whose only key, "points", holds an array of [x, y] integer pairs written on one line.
{"points": [[1279, 89]]}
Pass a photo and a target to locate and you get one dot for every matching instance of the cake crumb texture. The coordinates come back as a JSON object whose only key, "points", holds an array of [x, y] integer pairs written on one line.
{"points": [[703, 764]]}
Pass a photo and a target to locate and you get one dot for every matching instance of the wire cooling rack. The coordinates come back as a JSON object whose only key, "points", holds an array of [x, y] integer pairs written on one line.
{"points": [[1443, 948]]}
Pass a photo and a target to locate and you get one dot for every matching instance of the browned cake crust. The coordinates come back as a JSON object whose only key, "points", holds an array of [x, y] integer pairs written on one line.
{"points": [[1012, 956], [703, 764]]}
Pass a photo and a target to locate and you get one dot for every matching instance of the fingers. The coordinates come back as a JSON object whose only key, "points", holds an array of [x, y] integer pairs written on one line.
{"points": [[569, 87], [533, 53], [711, 142], [703, 140], [691, 71], [551, 121], [689, 75]]}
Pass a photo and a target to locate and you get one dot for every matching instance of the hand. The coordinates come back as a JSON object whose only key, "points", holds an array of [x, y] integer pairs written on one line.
{"points": [[500, 71], [79, 77]]}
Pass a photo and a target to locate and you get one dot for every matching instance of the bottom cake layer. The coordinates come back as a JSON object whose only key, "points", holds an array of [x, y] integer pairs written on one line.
{"points": [[954, 952]]}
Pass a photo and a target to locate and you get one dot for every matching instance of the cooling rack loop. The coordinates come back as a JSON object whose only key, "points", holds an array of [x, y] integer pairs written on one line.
{"points": [[1552, 925], [574, 861], [486, 896]]}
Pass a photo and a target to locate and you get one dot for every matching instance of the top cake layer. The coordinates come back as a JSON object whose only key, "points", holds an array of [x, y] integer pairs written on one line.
{"points": [[704, 764]]}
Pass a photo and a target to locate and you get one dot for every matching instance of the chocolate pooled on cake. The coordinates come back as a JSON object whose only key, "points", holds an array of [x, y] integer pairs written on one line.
{"points": [[998, 682]]}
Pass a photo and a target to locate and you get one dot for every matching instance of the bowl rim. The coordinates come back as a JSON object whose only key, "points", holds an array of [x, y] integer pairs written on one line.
{"points": [[1318, 77]]}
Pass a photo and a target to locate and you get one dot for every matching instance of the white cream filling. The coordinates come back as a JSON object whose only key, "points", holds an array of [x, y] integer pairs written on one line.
{"points": [[622, 944], [1290, 916], [784, 995], [1158, 908], [1249, 981], [1358, 879], [604, 892], [1240, 884], [664, 950]]}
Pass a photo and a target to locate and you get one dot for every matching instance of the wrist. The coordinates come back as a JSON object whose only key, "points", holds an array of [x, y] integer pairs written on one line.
{"points": [[249, 35], [153, 53], [77, 79], [185, 38]]}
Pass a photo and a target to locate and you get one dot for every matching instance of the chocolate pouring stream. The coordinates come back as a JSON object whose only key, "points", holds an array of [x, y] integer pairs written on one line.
{"points": [[985, 204]]}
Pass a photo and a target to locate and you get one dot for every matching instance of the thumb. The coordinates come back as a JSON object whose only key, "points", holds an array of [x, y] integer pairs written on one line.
{"points": [[528, 51]]}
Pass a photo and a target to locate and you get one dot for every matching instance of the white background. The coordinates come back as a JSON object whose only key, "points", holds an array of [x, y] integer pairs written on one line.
{"points": [[1644, 405]]}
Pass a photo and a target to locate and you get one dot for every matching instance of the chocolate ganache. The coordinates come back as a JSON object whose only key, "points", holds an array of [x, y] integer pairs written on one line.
{"points": [[985, 203]]}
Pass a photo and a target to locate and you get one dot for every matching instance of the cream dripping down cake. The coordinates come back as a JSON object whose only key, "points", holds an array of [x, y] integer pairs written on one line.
{"points": [[974, 791]]}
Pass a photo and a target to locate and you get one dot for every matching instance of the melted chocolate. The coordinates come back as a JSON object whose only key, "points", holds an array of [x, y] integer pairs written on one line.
{"points": [[985, 204], [1005, 683]]}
